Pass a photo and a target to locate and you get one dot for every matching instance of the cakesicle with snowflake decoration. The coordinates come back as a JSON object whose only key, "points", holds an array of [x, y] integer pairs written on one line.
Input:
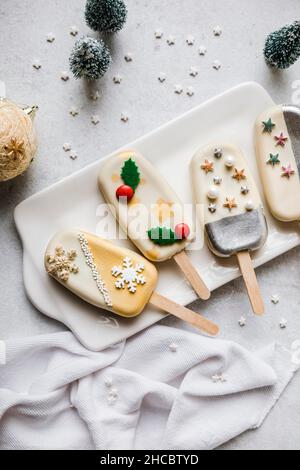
{"points": [[277, 135], [234, 220], [150, 212], [110, 277]]}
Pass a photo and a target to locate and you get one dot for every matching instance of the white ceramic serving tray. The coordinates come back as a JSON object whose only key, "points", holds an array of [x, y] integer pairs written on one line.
{"points": [[73, 202]]}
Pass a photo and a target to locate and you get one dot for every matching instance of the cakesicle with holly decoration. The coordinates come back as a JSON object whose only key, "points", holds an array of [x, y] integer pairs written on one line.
{"points": [[150, 212], [234, 220], [277, 135], [110, 277]]}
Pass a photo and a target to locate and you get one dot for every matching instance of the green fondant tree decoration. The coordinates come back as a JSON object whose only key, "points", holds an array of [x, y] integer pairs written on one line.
{"points": [[130, 174], [162, 236], [282, 48]]}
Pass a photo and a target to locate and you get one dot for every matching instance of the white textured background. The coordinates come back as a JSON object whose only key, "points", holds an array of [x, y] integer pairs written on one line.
{"points": [[24, 25]]}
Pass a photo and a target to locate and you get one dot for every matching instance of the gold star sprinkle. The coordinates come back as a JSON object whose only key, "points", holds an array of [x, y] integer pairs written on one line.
{"points": [[15, 148], [230, 203], [207, 166], [239, 175]]}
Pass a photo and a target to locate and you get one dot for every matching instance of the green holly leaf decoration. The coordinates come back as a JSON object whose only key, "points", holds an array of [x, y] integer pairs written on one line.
{"points": [[130, 174], [162, 236]]}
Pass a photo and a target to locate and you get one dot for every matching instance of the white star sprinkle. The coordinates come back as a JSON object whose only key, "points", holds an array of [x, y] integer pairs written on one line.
{"points": [[73, 155], [128, 57], [64, 76], [162, 77], [194, 71], [219, 378], [178, 89], [74, 111], [275, 299], [190, 91], [124, 117], [202, 50], [95, 119], [171, 40], [217, 31], [108, 382], [67, 147], [190, 40], [113, 393], [117, 79], [217, 65], [50, 37], [74, 31], [283, 323], [37, 64], [242, 322], [95, 95], [158, 34], [173, 347]]}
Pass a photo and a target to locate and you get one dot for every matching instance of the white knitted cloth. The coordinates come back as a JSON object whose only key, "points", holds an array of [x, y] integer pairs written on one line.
{"points": [[163, 389]]}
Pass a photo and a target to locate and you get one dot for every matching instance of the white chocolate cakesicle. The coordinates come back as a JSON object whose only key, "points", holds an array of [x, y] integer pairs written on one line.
{"points": [[111, 277], [277, 135], [233, 215], [100, 273], [153, 205]]}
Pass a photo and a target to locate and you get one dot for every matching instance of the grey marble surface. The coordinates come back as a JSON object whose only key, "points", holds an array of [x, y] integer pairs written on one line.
{"points": [[23, 29]]}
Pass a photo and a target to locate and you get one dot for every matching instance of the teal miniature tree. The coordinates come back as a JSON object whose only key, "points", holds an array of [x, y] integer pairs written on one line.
{"points": [[282, 47]]}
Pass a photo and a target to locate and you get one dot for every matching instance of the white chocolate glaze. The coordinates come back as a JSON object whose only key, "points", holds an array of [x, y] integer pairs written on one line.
{"points": [[282, 193], [155, 204]]}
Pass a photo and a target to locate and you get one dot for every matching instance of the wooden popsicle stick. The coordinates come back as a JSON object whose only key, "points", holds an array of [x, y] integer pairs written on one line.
{"points": [[192, 275], [184, 314], [247, 269]]}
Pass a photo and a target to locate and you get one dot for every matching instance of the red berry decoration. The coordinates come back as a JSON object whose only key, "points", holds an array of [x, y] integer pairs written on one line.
{"points": [[125, 191], [182, 231]]}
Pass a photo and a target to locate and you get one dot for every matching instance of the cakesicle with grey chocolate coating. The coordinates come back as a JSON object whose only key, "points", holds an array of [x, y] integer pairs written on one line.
{"points": [[277, 136], [234, 220]]}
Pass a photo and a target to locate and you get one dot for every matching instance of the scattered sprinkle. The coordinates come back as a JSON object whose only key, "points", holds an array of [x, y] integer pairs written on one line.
{"points": [[108, 382], [190, 91], [275, 299], [65, 76], [190, 40], [114, 393], [217, 31], [283, 323], [95, 95], [202, 50], [124, 117], [162, 77], [194, 71], [67, 147], [37, 64], [74, 31], [242, 322], [128, 57], [50, 37], [212, 208], [95, 119], [173, 347], [74, 111], [117, 79], [73, 155], [219, 378], [171, 40], [178, 89], [158, 34], [217, 65]]}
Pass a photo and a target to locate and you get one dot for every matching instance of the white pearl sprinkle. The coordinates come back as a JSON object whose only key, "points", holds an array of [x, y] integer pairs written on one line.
{"points": [[213, 193], [249, 205], [229, 161]]}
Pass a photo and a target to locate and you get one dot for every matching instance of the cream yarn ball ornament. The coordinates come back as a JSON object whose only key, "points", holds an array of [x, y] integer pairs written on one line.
{"points": [[18, 144]]}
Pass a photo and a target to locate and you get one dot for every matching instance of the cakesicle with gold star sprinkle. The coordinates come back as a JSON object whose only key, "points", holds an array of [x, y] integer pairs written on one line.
{"points": [[111, 277], [234, 220], [277, 135], [150, 212]]}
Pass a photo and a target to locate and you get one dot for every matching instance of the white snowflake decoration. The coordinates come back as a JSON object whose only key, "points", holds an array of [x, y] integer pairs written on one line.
{"points": [[129, 276]]}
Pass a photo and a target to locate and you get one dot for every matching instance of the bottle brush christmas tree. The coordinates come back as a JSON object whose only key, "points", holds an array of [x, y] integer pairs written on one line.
{"points": [[282, 47], [108, 16], [90, 58]]}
